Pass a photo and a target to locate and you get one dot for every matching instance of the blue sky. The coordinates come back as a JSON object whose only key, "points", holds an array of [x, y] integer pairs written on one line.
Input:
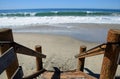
{"points": [[28, 4]]}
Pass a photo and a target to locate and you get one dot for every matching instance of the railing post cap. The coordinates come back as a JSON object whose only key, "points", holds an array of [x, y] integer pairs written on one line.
{"points": [[37, 46], [83, 46], [113, 35], [115, 31]]}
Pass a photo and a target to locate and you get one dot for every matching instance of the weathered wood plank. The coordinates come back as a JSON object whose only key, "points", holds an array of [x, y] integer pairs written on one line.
{"points": [[81, 61], [18, 74], [92, 53], [39, 63], [6, 59], [27, 51], [109, 65], [66, 75], [6, 35]]}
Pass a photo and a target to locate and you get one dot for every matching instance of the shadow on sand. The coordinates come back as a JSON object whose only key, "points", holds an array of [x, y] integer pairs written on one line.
{"points": [[92, 73], [56, 74], [97, 75]]}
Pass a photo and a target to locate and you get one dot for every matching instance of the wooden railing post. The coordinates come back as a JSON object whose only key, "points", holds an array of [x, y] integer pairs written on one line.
{"points": [[112, 51], [80, 66], [6, 35], [39, 63]]}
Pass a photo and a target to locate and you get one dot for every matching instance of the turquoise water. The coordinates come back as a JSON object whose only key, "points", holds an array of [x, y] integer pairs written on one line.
{"points": [[60, 12], [61, 22]]}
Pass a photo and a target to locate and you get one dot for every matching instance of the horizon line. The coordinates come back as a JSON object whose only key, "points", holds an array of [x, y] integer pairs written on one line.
{"points": [[61, 8]]}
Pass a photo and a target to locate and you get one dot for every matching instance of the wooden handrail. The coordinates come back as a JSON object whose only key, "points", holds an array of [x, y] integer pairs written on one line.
{"points": [[101, 46], [89, 54], [6, 36], [22, 49], [96, 50], [27, 51], [92, 52], [8, 59]]}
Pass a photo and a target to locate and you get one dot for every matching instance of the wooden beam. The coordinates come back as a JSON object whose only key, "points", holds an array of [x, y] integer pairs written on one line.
{"points": [[91, 53], [81, 61], [6, 35], [39, 62], [6, 59], [18, 74], [109, 65], [27, 51], [101, 46]]}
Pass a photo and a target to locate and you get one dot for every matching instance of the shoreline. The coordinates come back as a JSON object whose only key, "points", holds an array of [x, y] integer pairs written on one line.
{"points": [[81, 31]]}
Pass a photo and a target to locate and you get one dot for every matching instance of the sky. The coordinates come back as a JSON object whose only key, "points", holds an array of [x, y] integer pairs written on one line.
{"points": [[32, 4]]}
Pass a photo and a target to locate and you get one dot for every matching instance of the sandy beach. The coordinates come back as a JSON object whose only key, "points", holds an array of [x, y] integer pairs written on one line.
{"points": [[60, 51], [60, 27]]}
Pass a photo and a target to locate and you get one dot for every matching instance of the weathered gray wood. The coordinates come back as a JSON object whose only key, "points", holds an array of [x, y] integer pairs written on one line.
{"points": [[18, 74], [6, 59], [27, 51]]}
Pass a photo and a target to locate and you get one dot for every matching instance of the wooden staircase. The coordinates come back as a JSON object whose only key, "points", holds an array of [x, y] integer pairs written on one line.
{"points": [[9, 61], [66, 75]]}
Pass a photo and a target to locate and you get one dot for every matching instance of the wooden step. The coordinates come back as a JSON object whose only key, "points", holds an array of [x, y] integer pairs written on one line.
{"points": [[66, 75]]}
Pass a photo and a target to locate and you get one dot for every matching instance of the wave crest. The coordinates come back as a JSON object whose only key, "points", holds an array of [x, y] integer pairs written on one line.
{"points": [[57, 13]]}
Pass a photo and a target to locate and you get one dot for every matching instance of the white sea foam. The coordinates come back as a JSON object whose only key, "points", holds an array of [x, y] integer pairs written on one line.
{"points": [[21, 21]]}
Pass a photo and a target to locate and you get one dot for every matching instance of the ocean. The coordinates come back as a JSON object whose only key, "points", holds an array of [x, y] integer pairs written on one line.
{"points": [[55, 16], [58, 21]]}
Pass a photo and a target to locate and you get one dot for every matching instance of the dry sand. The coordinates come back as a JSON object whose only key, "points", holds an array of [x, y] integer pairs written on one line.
{"points": [[60, 51]]}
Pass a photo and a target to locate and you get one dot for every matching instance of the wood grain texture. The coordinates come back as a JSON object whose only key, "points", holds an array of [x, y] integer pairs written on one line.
{"points": [[39, 62], [109, 65], [27, 51], [81, 61], [67, 75]]}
